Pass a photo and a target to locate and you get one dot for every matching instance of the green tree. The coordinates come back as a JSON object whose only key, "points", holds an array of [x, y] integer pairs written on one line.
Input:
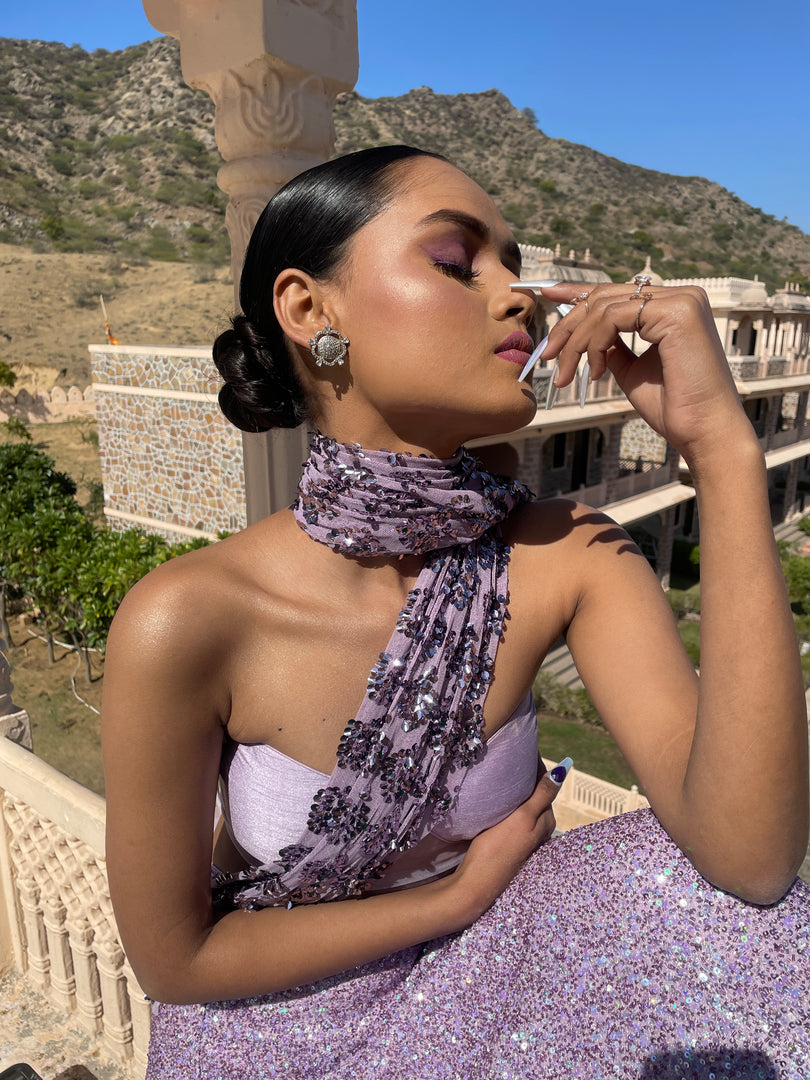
{"points": [[72, 571], [27, 480]]}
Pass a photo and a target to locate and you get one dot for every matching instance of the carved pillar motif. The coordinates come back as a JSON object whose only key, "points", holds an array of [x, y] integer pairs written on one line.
{"points": [[273, 121], [71, 943], [140, 1010], [88, 992], [63, 983], [273, 69]]}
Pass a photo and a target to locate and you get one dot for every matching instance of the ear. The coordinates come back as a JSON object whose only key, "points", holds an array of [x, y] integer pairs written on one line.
{"points": [[298, 303]]}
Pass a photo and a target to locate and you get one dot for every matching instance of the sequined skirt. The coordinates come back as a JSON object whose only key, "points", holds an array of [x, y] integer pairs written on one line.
{"points": [[607, 957]]}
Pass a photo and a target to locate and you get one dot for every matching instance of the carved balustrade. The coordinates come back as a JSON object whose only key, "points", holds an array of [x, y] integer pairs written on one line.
{"points": [[56, 919]]}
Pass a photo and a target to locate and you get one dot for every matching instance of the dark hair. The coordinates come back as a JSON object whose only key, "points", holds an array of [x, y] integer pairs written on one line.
{"points": [[306, 225]]}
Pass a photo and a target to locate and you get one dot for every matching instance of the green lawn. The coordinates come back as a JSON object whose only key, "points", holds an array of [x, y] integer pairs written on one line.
{"points": [[592, 749]]}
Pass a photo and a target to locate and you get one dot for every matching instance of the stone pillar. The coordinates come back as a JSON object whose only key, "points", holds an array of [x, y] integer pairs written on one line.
{"points": [[673, 460], [273, 69], [610, 460], [666, 534], [732, 325], [771, 419], [801, 415], [791, 481], [15, 723], [759, 343]]}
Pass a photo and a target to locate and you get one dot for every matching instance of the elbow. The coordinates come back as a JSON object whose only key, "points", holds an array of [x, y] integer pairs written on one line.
{"points": [[169, 988], [170, 979], [765, 893], [763, 885]]}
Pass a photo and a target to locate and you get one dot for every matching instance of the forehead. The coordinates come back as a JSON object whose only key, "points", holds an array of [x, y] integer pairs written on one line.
{"points": [[426, 186]]}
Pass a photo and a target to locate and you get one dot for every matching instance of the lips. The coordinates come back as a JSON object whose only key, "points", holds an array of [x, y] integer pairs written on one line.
{"points": [[516, 348]]}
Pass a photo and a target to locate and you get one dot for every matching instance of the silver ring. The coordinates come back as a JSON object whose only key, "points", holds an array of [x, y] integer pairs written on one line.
{"points": [[645, 300], [640, 281]]}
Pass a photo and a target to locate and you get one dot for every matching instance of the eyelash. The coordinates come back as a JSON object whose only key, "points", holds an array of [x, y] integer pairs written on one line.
{"points": [[462, 273]]}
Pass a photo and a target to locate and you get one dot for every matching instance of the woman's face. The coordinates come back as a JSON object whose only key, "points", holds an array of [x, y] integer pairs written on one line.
{"points": [[424, 299]]}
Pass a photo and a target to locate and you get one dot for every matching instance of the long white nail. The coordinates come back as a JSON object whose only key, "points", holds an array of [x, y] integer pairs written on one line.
{"points": [[533, 284], [558, 774], [553, 389], [584, 379], [563, 309], [538, 352]]}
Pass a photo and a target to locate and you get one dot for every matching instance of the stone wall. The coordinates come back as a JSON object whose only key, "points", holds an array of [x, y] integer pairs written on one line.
{"points": [[170, 462], [640, 441], [46, 406]]}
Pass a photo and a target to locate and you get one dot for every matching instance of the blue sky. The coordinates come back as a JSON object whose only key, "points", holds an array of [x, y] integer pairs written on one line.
{"points": [[710, 88]]}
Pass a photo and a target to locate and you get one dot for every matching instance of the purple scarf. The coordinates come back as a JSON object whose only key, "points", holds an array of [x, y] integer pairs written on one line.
{"points": [[401, 759]]}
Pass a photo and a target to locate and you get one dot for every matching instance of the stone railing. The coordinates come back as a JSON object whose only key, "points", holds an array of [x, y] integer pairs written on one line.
{"points": [[584, 799], [56, 921], [47, 406], [767, 367]]}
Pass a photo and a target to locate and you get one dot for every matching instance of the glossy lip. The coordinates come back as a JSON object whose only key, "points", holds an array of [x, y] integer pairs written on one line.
{"points": [[516, 348]]}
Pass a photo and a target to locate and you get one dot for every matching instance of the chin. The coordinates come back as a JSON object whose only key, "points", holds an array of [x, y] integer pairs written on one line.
{"points": [[506, 420]]}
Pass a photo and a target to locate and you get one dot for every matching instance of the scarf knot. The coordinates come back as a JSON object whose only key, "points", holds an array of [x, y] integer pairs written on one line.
{"points": [[374, 502]]}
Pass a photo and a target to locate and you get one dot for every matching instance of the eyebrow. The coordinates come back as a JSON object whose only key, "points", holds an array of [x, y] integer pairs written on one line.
{"points": [[473, 225]]}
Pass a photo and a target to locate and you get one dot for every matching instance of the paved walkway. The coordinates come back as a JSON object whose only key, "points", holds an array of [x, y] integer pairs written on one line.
{"points": [[32, 1031]]}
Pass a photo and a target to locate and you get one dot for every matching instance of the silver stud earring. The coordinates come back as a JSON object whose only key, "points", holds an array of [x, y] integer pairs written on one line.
{"points": [[328, 347]]}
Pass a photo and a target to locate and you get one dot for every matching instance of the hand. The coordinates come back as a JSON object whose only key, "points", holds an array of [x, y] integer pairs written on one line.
{"points": [[681, 385], [497, 854]]}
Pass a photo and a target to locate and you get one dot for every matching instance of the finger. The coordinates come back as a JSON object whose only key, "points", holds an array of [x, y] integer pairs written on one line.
{"points": [[598, 333], [549, 784]]}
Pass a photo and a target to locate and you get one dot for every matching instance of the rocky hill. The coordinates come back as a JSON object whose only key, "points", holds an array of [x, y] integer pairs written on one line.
{"points": [[112, 151], [553, 191], [110, 157]]}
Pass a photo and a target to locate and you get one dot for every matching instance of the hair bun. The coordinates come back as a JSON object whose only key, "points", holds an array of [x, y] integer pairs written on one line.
{"points": [[259, 393]]}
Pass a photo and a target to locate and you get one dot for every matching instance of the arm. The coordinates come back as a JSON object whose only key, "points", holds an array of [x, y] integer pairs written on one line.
{"points": [[723, 759], [165, 701]]}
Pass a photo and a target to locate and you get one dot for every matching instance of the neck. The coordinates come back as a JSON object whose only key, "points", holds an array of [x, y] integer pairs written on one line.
{"points": [[415, 435]]}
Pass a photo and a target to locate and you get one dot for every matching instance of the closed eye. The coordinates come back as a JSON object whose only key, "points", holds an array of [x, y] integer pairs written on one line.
{"points": [[465, 274]]}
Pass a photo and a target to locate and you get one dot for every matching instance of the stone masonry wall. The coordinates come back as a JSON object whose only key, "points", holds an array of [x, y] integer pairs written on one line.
{"points": [[640, 441], [170, 462]]}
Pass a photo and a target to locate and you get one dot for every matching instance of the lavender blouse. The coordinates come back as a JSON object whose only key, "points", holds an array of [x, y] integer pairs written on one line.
{"points": [[266, 797]]}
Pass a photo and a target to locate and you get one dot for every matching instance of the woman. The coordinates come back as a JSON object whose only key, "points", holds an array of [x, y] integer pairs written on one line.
{"points": [[378, 301]]}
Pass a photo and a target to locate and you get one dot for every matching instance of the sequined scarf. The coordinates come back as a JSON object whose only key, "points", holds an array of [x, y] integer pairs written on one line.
{"points": [[401, 759]]}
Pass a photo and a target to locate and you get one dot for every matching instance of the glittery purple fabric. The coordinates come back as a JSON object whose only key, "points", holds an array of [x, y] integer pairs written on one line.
{"points": [[607, 957], [402, 757]]}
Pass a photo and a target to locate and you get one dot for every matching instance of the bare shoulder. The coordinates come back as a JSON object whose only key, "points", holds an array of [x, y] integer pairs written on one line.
{"points": [[179, 627], [571, 529], [171, 599]]}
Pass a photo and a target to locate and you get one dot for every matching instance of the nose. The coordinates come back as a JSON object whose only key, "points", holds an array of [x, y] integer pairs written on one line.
{"points": [[514, 303]]}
